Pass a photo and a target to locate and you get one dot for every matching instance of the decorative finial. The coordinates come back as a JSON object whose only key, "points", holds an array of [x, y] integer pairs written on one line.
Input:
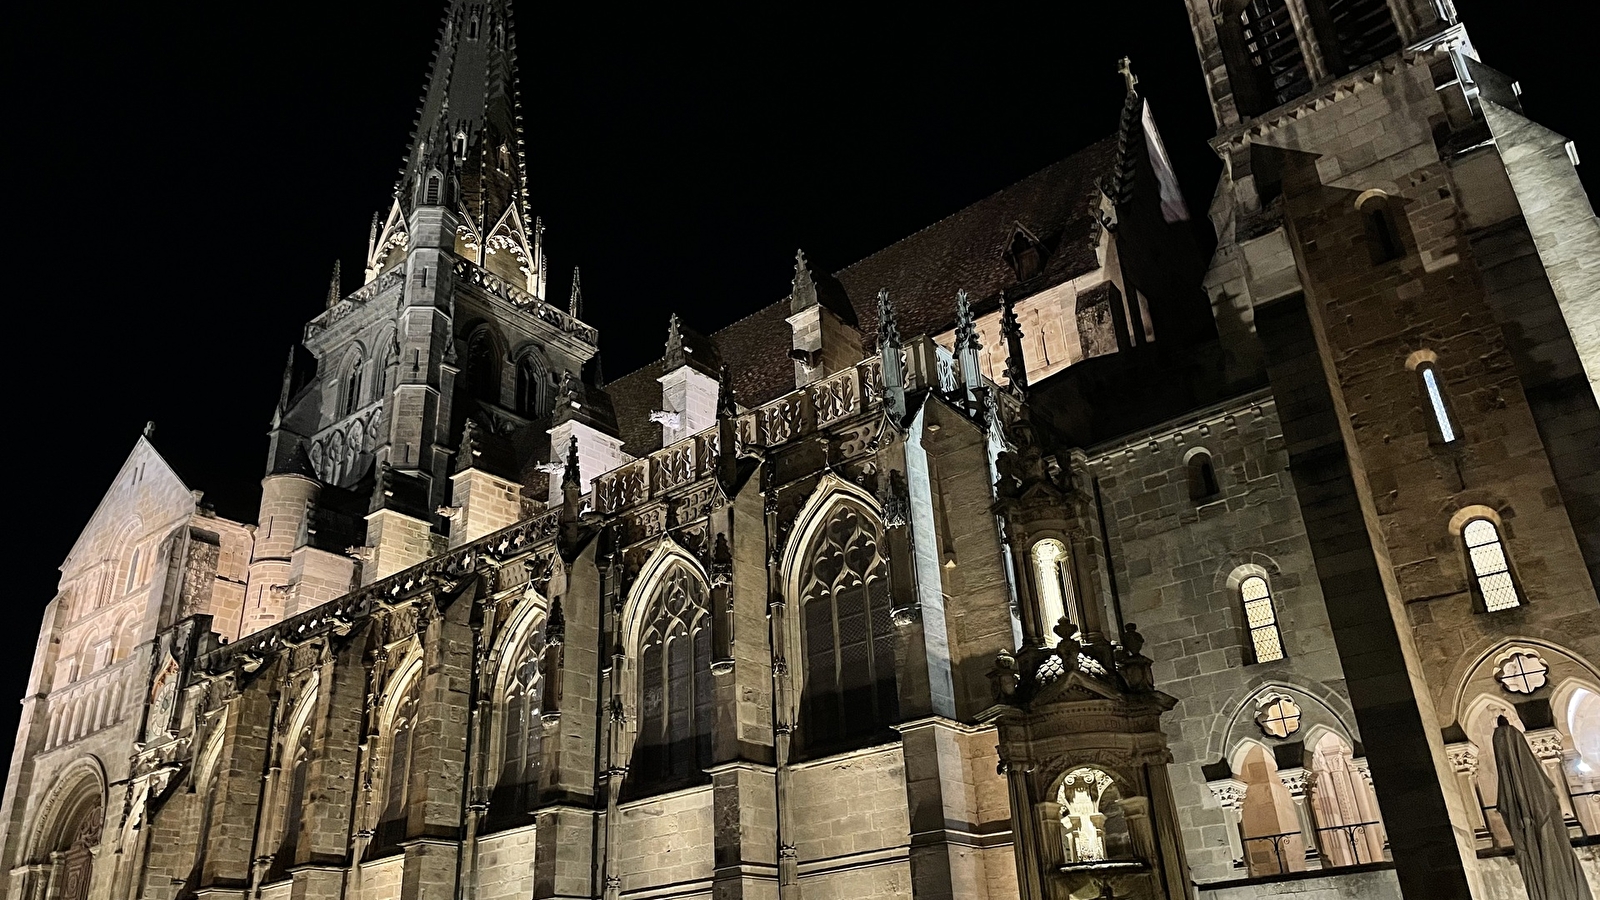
{"points": [[570, 474], [1011, 330], [149, 430], [335, 290], [727, 403], [575, 302], [677, 355], [888, 331], [966, 326], [1125, 66], [804, 292]]}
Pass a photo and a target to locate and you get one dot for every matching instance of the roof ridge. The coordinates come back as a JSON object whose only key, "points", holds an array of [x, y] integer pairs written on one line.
{"points": [[1112, 136]]}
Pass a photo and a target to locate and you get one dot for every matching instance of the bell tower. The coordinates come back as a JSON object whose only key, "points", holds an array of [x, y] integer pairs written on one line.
{"points": [[450, 327], [1396, 237]]}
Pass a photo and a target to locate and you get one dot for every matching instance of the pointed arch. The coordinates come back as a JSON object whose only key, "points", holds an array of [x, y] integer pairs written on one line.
{"points": [[516, 736], [668, 626], [485, 350], [836, 579], [389, 244], [294, 763], [507, 251], [398, 722]]}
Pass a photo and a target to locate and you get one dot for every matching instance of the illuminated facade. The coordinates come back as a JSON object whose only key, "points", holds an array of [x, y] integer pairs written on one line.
{"points": [[1044, 553]]}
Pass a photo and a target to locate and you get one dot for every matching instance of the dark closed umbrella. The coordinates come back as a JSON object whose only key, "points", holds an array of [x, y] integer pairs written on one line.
{"points": [[1533, 816]]}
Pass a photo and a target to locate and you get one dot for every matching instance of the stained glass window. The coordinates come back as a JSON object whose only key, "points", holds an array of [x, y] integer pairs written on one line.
{"points": [[1261, 618], [847, 635], [1488, 557], [520, 731], [675, 687]]}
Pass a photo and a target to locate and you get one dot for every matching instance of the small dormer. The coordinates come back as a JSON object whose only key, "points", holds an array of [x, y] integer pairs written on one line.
{"points": [[1026, 254]]}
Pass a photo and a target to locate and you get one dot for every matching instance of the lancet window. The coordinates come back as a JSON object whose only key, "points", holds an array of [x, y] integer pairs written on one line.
{"points": [[847, 636], [1438, 408], [350, 400], [521, 729], [483, 370], [1491, 570], [673, 746], [530, 388], [401, 736], [1052, 572], [296, 767], [1261, 616], [1263, 54]]}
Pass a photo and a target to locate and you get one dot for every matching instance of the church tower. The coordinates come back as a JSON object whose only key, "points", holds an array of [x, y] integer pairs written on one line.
{"points": [[1400, 254], [450, 333]]}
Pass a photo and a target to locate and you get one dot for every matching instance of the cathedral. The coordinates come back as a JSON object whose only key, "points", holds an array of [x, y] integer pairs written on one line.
{"points": [[1054, 551]]}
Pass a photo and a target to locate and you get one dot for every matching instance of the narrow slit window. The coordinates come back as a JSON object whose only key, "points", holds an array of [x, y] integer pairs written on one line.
{"points": [[1262, 619], [1441, 412], [1490, 567], [1202, 476]]}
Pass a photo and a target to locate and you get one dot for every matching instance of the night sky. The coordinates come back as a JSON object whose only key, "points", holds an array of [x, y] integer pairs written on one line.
{"points": [[185, 178]]}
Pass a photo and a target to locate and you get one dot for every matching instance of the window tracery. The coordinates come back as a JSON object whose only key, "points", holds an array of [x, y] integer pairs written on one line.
{"points": [[521, 730], [402, 727], [1521, 671], [1278, 716], [847, 633], [674, 686], [296, 767]]}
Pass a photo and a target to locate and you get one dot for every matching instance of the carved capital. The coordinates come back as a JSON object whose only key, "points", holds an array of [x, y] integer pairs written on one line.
{"points": [[1463, 758], [1299, 781], [1546, 743], [1229, 792]]}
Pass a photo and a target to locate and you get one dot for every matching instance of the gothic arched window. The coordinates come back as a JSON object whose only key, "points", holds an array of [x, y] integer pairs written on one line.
{"points": [[1353, 33], [483, 370], [1263, 54], [295, 767], [675, 690], [846, 634], [350, 399], [517, 788], [400, 731], [1491, 570], [530, 387], [1262, 618]]}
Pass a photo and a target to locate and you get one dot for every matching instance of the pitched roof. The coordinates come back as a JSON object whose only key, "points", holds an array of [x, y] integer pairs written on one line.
{"points": [[1056, 205]]}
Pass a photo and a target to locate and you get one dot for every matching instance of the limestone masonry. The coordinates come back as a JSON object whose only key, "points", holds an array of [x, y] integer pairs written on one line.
{"points": [[1052, 552]]}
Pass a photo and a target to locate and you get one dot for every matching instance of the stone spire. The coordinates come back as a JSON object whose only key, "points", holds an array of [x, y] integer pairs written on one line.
{"points": [[470, 110], [335, 290], [894, 383], [1011, 330], [675, 355], [966, 349], [575, 301], [804, 293]]}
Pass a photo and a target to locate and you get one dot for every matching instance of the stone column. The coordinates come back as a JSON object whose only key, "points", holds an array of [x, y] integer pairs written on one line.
{"points": [[1299, 781], [1464, 758], [1547, 744], [1230, 796], [1367, 804], [1025, 831]]}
